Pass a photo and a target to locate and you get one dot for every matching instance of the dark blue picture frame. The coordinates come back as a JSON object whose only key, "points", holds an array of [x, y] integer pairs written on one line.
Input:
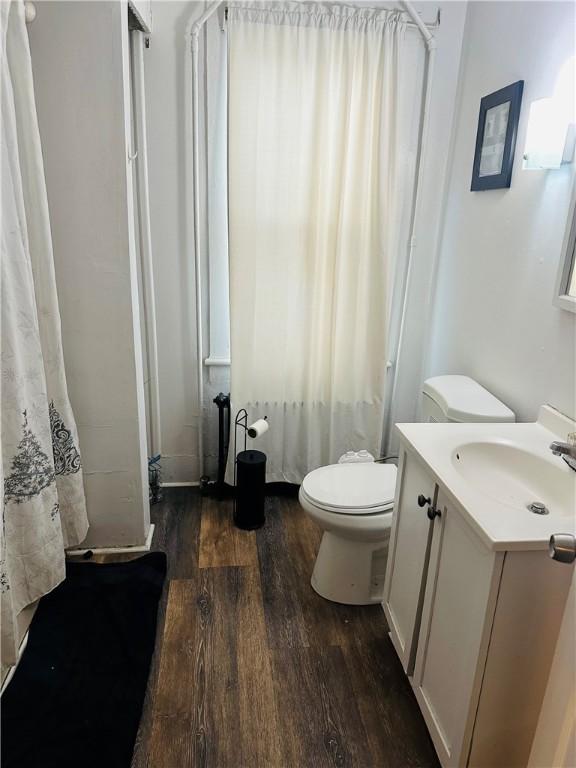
{"points": [[513, 94]]}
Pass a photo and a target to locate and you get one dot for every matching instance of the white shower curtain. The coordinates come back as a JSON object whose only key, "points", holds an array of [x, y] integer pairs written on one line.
{"points": [[43, 505], [313, 114]]}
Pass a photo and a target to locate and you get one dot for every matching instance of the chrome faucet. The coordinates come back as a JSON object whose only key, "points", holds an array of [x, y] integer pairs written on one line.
{"points": [[567, 450]]}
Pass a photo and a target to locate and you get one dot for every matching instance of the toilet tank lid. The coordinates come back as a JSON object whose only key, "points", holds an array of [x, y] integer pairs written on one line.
{"points": [[463, 399]]}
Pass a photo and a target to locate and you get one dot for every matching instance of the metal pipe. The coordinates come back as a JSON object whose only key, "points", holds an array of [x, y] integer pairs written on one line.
{"points": [[192, 32], [197, 254], [193, 27], [429, 38], [430, 42]]}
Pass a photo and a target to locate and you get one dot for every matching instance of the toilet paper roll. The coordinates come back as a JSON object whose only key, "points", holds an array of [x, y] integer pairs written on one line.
{"points": [[258, 428]]}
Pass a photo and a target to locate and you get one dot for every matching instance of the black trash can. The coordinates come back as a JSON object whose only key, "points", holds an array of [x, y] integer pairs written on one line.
{"points": [[250, 483]]}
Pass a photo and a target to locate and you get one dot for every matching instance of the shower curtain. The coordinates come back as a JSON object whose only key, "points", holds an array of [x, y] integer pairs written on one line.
{"points": [[313, 219], [43, 505]]}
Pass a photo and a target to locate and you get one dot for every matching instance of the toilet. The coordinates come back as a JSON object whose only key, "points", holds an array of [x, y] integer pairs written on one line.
{"points": [[353, 502]]}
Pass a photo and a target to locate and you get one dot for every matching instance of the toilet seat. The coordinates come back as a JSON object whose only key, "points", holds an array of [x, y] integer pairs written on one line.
{"points": [[351, 489], [354, 512]]}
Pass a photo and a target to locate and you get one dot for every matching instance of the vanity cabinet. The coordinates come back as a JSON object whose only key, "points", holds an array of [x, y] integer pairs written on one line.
{"points": [[408, 556], [457, 613], [475, 628]]}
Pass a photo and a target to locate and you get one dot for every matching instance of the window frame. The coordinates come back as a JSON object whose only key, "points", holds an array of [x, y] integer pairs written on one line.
{"points": [[567, 263]]}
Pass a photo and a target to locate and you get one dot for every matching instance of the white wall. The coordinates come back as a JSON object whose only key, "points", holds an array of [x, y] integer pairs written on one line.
{"points": [[494, 319], [79, 61], [173, 250]]}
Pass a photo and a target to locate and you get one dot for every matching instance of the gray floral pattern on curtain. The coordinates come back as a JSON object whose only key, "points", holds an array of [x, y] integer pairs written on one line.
{"points": [[43, 503]]}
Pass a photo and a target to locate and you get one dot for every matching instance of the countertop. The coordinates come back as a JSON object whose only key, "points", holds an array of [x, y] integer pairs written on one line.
{"points": [[502, 525]]}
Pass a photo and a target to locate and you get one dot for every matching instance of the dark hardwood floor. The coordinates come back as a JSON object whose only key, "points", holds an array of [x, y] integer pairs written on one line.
{"points": [[252, 668]]}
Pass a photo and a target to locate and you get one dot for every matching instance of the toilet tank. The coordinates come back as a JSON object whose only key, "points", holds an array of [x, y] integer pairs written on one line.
{"points": [[461, 399]]}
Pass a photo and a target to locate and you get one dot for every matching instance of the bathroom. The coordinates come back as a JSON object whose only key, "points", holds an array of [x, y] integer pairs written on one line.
{"points": [[288, 351]]}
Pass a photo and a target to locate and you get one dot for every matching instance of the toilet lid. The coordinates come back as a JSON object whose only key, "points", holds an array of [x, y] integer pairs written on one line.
{"points": [[351, 488]]}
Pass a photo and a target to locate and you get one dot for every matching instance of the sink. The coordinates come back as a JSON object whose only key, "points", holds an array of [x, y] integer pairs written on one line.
{"points": [[492, 472], [514, 476]]}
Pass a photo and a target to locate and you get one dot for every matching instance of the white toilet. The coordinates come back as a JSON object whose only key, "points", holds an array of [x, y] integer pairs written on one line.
{"points": [[352, 503]]}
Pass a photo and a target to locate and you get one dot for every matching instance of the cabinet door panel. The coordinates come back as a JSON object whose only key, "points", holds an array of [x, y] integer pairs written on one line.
{"points": [[457, 616], [407, 557]]}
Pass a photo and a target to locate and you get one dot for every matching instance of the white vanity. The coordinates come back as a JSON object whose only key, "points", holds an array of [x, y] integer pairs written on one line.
{"points": [[473, 601]]}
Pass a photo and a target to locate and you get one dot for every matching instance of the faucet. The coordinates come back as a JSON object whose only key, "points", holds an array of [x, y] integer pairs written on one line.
{"points": [[567, 450]]}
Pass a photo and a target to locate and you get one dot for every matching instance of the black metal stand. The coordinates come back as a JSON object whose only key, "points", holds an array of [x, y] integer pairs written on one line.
{"points": [[249, 480]]}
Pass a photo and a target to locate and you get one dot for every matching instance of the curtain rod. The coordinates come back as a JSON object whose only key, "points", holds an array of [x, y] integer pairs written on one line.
{"points": [[418, 24]]}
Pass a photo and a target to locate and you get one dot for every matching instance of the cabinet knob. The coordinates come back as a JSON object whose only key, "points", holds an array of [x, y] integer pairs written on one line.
{"points": [[423, 500], [432, 513]]}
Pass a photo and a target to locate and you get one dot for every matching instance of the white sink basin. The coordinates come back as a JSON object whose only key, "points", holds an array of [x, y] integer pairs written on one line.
{"points": [[516, 477], [492, 472]]}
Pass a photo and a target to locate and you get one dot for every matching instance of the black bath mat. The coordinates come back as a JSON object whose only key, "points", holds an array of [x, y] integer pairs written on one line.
{"points": [[77, 694]]}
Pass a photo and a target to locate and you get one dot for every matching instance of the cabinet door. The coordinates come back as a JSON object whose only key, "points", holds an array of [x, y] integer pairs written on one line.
{"points": [[408, 556], [457, 617]]}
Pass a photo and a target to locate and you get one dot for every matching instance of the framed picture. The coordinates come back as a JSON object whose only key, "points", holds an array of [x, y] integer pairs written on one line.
{"points": [[496, 138]]}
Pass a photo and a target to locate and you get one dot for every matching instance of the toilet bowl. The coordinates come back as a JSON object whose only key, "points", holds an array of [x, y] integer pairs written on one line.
{"points": [[352, 503]]}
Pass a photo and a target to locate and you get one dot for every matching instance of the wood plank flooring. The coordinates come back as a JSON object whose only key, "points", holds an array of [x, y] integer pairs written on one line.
{"points": [[221, 543], [252, 668]]}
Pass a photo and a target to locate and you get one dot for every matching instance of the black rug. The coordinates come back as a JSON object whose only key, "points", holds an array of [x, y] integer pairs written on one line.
{"points": [[76, 697]]}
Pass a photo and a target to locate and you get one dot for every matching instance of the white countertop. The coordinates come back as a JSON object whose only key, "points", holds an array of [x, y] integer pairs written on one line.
{"points": [[502, 525]]}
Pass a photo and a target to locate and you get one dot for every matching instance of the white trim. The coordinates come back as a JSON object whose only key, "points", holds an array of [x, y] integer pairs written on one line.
{"points": [[134, 266], [564, 301], [115, 550], [184, 484], [143, 190]]}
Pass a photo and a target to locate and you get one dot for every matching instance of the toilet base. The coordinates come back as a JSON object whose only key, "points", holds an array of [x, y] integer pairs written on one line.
{"points": [[350, 572]]}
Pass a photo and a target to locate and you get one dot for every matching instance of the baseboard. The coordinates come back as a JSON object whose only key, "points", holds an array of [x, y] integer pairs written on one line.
{"points": [[115, 550]]}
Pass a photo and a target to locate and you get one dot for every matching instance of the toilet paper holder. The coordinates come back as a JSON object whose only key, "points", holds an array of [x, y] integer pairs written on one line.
{"points": [[253, 430], [249, 476]]}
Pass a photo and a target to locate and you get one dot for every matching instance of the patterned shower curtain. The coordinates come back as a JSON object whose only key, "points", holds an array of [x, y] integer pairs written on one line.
{"points": [[43, 504]]}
